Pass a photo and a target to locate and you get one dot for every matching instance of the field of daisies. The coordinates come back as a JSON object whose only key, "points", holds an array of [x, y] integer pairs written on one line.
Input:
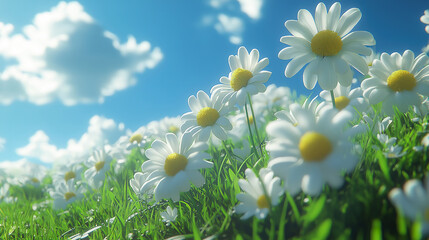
{"points": [[252, 160]]}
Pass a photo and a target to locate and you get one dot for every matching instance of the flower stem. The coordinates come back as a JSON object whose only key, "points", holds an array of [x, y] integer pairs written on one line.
{"points": [[333, 98], [250, 132], [254, 123]]}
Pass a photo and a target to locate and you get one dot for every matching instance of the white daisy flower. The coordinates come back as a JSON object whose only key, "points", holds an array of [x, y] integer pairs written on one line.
{"points": [[394, 152], [254, 202], [423, 109], [138, 185], [377, 126], [425, 20], [273, 97], [350, 100], [98, 164], [138, 140], [68, 171], [397, 81], [370, 59], [327, 44], [208, 116], [164, 126], [169, 215], [174, 164], [289, 116], [246, 77], [66, 193], [413, 202], [425, 140], [386, 140], [314, 152]]}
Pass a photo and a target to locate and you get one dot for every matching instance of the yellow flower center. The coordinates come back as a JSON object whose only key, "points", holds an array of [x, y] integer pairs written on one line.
{"points": [[136, 138], [35, 180], [263, 202], [175, 163], [69, 175], [69, 195], [207, 117], [341, 102], [326, 43], [401, 80], [240, 77], [250, 119], [173, 129], [314, 147], [276, 99], [99, 165]]}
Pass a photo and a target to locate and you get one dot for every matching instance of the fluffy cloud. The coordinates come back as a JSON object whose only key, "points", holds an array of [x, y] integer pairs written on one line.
{"points": [[2, 143], [251, 7], [231, 25], [21, 168], [101, 131], [65, 55]]}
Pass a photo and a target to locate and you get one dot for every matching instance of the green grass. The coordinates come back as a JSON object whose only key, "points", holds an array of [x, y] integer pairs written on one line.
{"points": [[360, 209]]}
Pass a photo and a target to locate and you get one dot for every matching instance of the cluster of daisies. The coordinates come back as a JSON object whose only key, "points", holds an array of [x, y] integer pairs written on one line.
{"points": [[309, 145]]}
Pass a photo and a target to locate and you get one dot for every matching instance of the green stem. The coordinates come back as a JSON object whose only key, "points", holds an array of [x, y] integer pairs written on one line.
{"points": [[254, 123], [250, 132], [333, 98]]}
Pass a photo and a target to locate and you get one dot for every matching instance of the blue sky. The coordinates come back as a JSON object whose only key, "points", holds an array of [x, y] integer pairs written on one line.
{"points": [[189, 49]]}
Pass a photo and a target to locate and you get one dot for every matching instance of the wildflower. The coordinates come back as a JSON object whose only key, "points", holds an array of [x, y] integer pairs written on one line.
{"points": [[66, 193], [208, 116], [246, 77], [413, 202], [370, 59], [397, 81], [327, 44], [394, 152], [377, 126], [311, 105], [254, 202], [138, 139], [158, 129], [139, 186], [169, 215], [345, 98], [68, 171], [314, 152], [174, 164], [98, 164], [273, 97]]}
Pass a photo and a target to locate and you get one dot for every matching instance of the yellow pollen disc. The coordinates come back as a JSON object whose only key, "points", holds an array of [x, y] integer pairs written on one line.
{"points": [[341, 102], [250, 119], [175, 163], [276, 99], [136, 138], [263, 202], [370, 64], [326, 43], [314, 147], [69, 195], [391, 155], [35, 180], [295, 124], [69, 175], [240, 77], [401, 80], [99, 165], [173, 129], [207, 116]]}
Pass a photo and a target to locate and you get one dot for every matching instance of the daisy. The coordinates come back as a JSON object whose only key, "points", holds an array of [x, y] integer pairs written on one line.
{"points": [[327, 44], [397, 81], [98, 164], [394, 152], [164, 126], [425, 20], [138, 184], [68, 171], [246, 77], [413, 202], [377, 126], [138, 140], [345, 98], [314, 152], [66, 193], [370, 59], [169, 215], [273, 97], [208, 117], [289, 116], [174, 164], [254, 202]]}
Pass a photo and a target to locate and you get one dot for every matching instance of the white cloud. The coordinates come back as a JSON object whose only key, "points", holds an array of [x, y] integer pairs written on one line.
{"points": [[218, 3], [21, 168], [251, 7], [233, 26], [100, 131], [2, 143], [65, 55]]}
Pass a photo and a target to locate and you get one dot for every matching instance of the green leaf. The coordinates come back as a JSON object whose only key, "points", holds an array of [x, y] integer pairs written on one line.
{"points": [[376, 232], [314, 209]]}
